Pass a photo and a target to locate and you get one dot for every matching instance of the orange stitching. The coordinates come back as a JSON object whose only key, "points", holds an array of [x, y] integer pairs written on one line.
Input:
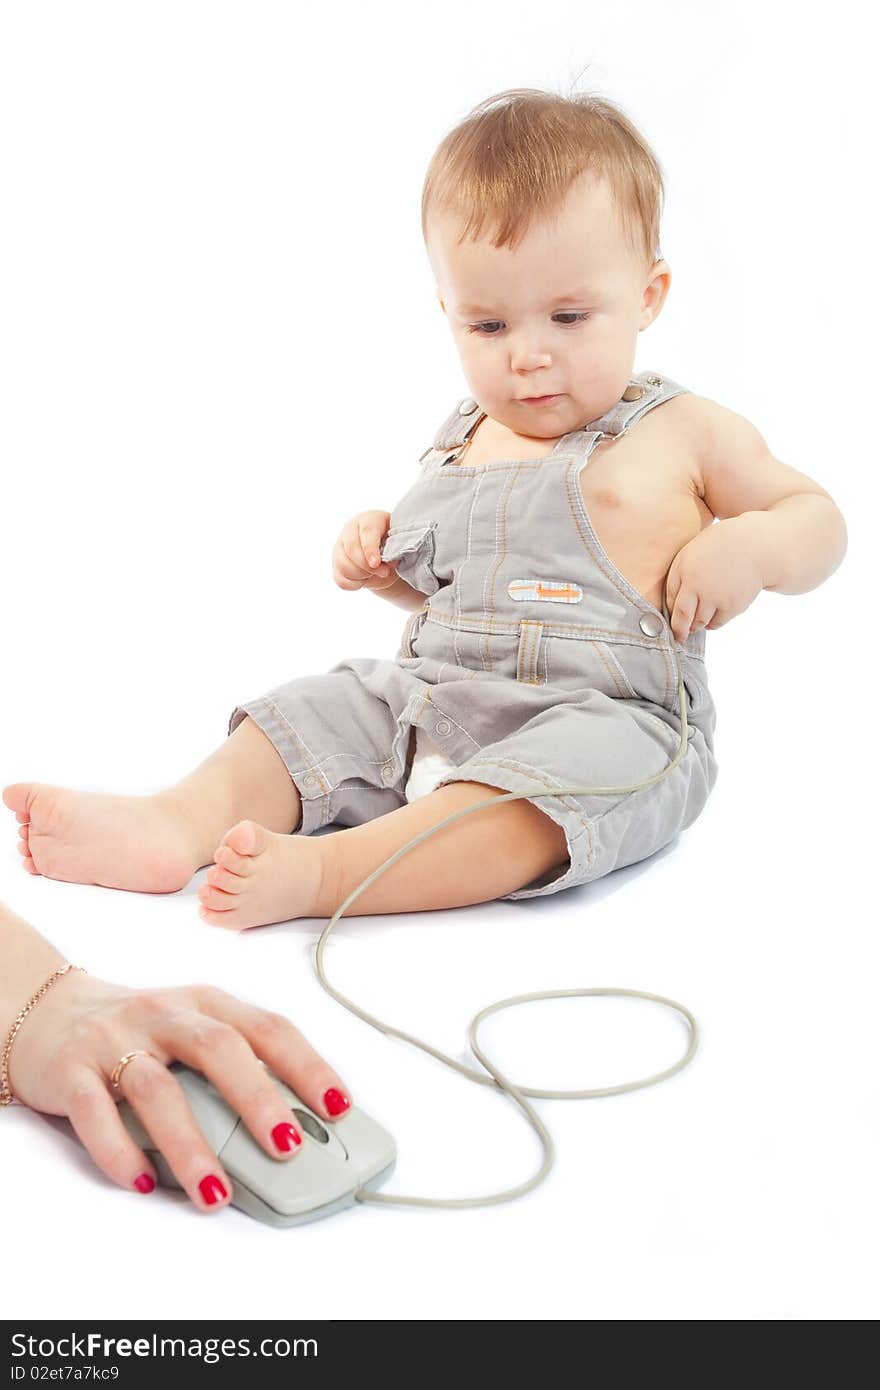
{"points": [[567, 592]]}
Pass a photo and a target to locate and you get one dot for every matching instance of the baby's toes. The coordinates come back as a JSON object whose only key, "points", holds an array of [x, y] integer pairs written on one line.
{"points": [[215, 898], [15, 796], [222, 878], [27, 858], [217, 919], [227, 858], [25, 849], [247, 837]]}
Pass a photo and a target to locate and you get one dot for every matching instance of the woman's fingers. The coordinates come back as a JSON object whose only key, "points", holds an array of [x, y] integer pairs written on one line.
{"points": [[95, 1118], [284, 1050], [225, 1039], [222, 1054], [163, 1109]]}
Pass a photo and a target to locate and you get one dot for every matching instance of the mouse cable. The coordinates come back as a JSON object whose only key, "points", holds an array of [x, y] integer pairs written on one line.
{"points": [[516, 1093]]}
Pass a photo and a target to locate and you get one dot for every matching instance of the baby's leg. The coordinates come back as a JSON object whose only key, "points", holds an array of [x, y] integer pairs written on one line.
{"points": [[154, 844], [261, 877]]}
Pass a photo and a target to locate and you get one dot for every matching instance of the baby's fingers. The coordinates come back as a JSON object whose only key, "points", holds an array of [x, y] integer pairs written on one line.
{"points": [[346, 573], [683, 612], [350, 566], [370, 545]]}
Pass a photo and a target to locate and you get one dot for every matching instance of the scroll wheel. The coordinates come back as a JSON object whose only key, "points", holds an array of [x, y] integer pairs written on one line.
{"points": [[311, 1125]]}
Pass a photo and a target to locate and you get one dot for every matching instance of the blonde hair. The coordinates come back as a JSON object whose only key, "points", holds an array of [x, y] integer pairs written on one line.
{"points": [[516, 154]]}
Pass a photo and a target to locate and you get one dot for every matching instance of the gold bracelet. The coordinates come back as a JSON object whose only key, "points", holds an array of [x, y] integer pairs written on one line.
{"points": [[6, 1096]]}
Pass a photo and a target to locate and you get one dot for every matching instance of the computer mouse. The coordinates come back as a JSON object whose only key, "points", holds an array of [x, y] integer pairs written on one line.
{"points": [[335, 1160]]}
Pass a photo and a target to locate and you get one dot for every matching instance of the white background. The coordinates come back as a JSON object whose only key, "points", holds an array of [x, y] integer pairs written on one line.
{"points": [[219, 340]]}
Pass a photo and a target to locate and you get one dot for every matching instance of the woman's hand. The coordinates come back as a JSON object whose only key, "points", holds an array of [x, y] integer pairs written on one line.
{"points": [[67, 1046], [357, 563]]}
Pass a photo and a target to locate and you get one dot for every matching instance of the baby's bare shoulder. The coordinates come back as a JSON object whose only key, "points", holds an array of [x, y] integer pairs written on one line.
{"points": [[738, 472], [702, 429], [670, 440], [680, 424], [688, 416], [710, 424]]}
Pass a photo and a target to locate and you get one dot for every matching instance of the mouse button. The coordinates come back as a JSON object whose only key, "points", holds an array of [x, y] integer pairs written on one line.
{"points": [[319, 1134], [369, 1147], [307, 1121], [314, 1176], [306, 1118], [213, 1114]]}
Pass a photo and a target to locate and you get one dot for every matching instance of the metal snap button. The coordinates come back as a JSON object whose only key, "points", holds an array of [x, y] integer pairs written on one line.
{"points": [[468, 406], [443, 728], [655, 381], [311, 780], [651, 625], [388, 772], [632, 393]]}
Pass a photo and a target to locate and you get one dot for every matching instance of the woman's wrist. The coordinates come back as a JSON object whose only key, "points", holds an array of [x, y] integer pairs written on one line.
{"points": [[6, 1093], [28, 961]]}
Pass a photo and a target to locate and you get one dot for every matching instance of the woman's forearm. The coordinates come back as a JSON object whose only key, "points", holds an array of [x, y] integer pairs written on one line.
{"points": [[27, 960]]}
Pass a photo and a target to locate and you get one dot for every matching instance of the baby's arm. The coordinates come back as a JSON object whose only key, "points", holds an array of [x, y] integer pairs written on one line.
{"points": [[775, 528], [402, 594], [793, 526]]}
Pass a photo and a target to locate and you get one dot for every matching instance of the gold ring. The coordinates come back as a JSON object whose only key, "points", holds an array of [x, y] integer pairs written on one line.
{"points": [[123, 1062]]}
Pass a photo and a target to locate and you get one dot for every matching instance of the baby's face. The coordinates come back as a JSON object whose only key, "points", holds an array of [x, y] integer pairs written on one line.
{"points": [[558, 316]]}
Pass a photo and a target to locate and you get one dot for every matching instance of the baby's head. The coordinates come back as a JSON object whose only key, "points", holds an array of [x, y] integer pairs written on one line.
{"points": [[539, 210]]}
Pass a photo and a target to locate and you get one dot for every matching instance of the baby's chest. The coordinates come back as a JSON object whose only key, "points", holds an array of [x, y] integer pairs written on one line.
{"points": [[643, 493], [639, 494]]}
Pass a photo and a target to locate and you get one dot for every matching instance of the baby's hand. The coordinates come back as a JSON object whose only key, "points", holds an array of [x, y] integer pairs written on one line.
{"points": [[356, 559], [712, 578]]}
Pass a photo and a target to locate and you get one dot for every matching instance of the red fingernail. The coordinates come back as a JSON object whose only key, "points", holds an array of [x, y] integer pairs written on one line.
{"points": [[335, 1101], [144, 1183], [286, 1137], [212, 1189]]}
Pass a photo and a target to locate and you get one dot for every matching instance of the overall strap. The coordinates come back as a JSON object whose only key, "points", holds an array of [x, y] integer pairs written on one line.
{"points": [[457, 426], [645, 390]]}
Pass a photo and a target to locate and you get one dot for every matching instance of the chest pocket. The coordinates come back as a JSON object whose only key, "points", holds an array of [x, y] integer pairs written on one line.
{"points": [[411, 546]]}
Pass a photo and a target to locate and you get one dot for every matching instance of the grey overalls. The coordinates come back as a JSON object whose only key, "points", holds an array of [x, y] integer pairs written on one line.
{"points": [[534, 663]]}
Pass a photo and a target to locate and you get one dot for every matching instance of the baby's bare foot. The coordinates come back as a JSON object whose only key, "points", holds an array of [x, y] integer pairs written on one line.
{"points": [[260, 876], [143, 843]]}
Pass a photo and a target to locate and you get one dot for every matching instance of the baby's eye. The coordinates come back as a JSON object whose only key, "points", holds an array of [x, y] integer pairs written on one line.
{"points": [[488, 326]]}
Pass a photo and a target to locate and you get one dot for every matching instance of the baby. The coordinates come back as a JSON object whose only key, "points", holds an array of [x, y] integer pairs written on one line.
{"points": [[572, 528]]}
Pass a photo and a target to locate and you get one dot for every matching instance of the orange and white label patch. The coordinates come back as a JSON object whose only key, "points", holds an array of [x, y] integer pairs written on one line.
{"points": [[546, 590]]}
